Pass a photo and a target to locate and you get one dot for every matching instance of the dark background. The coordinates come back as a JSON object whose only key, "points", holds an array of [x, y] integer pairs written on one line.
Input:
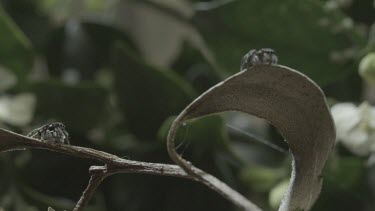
{"points": [[116, 73]]}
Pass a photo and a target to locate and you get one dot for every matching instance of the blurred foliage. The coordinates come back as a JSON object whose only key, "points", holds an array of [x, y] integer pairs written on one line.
{"points": [[16, 52], [117, 72], [159, 93], [292, 27]]}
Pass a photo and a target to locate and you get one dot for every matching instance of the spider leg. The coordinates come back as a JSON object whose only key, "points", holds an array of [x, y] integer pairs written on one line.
{"points": [[33, 133], [55, 135], [255, 60], [266, 58], [246, 60], [42, 133], [66, 139], [60, 135]]}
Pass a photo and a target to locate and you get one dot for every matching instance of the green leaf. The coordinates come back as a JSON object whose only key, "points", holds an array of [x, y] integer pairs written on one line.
{"points": [[261, 178], [345, 185], [293, 28], [147, 96], [16, 52], [195, 68], [206, 135], [14, 200], [80, 107], [346, 173], [85, 48], [56, 202], [277, 193], [104, 37]]}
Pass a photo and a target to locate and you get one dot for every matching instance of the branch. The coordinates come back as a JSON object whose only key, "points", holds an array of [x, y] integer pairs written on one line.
{"points": [[94, 183], [141, 168], [99, 173], [10, 141]]}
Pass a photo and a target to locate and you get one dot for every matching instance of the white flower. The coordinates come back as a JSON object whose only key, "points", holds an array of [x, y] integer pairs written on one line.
{"points": [[355, 127], [17, 110]]}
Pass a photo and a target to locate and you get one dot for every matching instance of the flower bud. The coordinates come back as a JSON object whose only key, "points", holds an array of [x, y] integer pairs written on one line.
{"points": [[367, 68]]}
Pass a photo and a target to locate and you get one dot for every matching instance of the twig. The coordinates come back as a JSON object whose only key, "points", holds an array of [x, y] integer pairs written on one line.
{"points": [[99, 173], [113, 164], [142, 168], [94, 183]]}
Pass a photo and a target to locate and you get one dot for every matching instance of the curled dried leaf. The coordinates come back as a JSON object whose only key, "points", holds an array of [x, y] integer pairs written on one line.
{"points": [[291, 102]]}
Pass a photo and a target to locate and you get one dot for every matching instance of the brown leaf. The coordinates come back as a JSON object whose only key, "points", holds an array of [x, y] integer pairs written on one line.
{"points": [[291, 102]]}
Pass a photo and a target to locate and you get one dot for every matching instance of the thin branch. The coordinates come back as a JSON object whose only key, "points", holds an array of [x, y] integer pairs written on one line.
{"points": [[113, 164], [142, 168], [94, 183], [99, 173], [11, 141]]}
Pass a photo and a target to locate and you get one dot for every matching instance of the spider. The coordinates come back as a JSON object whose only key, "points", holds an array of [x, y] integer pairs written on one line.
{"points": [[258, 57], [54, 132]]}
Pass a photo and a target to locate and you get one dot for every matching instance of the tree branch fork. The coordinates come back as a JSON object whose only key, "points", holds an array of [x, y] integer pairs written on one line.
{"points": [[10, 141]]}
